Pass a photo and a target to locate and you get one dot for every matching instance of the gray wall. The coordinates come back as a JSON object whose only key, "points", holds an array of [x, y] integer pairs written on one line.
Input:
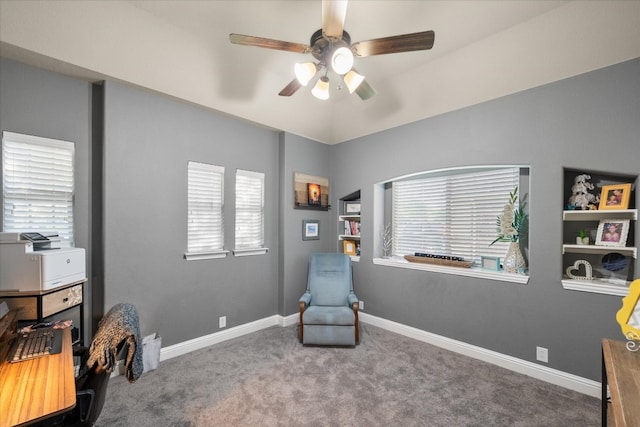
{"points": [[589, 122], [40, 103], [148, 138], [147, 143]]}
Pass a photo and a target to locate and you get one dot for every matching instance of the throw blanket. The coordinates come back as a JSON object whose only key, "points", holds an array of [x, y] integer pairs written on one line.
{"points": [[119, 325]]}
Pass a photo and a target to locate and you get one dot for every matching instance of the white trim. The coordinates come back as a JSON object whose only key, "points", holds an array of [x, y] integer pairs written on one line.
{"points": [[248, 252], [553, 376], [194, 256], [460, 271]]}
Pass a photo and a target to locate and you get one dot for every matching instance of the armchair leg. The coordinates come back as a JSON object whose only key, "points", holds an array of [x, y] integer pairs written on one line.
{"points": [[357, 322], [301, 325]]}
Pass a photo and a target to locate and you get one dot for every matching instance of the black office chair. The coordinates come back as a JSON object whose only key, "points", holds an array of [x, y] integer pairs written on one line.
{"points": [[118, 333]]}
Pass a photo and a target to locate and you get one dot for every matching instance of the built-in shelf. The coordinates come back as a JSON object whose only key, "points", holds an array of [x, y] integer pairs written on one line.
{"points": [[597, 286], [600, 250], [597, 215]]}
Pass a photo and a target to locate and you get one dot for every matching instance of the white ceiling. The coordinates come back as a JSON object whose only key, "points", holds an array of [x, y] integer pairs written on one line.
{"points": [[482, 50]]}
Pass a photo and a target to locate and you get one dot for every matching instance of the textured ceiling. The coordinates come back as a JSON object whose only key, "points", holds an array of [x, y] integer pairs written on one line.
{"points": [[482, 50]]}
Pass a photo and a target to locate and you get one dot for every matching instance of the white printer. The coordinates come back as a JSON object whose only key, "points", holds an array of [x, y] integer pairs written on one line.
{"points": [[34, 262]]}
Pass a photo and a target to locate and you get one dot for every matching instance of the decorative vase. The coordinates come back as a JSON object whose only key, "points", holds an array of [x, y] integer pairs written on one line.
{"points": [[513, 261]]}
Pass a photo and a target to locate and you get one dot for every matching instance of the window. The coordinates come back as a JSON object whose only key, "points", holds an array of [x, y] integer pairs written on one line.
{"points": [[249, 213], [205, 199], [452, 213], [38, 185]]}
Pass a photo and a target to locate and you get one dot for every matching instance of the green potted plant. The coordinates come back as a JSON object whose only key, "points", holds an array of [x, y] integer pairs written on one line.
{"points": [[583, 237]]}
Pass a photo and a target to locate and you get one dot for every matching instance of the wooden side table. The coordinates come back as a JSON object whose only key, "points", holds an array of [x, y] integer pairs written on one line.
{"points": [[621, 372]]}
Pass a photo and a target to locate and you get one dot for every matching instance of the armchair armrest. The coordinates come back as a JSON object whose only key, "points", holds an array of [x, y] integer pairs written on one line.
{"points": [[353, 299], [305, 298]]}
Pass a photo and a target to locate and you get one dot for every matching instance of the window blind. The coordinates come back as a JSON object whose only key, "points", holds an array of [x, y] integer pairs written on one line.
{"points": [[453, 214], [38, 185], [249, 210], [205, 198]]}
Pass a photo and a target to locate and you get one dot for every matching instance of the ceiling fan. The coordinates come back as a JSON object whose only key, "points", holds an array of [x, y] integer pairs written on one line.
{"points": [[332, 48]]}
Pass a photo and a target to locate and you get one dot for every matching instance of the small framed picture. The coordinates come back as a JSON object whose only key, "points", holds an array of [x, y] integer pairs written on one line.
{"points": [[615, 196], [313, 191], [612, 232], [490, 263], [349, 247], [352, 208], [310, 229]]}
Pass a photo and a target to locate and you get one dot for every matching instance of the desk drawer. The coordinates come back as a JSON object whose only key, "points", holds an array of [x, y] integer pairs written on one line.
{"points": [[61, 300]]}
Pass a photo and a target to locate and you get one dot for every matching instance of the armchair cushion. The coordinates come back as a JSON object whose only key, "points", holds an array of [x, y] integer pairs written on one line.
{"points": [[323, 315]]}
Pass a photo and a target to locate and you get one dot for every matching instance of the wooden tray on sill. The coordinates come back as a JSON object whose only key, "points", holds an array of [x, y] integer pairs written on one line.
{"points": [[437, 261]]}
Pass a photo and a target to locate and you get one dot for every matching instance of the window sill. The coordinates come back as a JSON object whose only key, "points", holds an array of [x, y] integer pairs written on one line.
{"points": [[249, 252], [195, 256], [459, 271]]}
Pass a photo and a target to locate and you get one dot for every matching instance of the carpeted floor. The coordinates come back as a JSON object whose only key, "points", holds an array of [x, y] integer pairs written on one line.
{"points": [[268, 379]]}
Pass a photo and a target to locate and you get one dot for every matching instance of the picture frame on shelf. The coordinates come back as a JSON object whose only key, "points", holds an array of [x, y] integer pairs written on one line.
{"points": [[349, 247], [310, 229], [352, 208], [615, 196], [490, 263], [612, 232]]}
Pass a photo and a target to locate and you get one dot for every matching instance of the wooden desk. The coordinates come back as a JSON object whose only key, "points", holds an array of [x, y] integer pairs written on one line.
{"points": [[621, 371], [39, 388]]}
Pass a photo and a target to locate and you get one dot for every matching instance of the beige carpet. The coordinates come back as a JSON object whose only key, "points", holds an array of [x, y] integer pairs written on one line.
{"points": [[268, 379]]}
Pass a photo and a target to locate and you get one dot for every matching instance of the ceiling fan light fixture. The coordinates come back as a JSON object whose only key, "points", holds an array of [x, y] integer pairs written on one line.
{"points": [[305, 72], [353, 80], [342, 60], [321, 89]]}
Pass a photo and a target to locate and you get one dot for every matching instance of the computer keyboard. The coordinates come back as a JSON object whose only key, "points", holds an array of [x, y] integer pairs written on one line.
{"points": [[36, 343]]}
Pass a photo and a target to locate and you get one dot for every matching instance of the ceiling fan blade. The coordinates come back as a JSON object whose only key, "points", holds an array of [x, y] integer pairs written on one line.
{"points": [[395, 44], [334, 13], [291, 88], [268, 43], [365, 91]]}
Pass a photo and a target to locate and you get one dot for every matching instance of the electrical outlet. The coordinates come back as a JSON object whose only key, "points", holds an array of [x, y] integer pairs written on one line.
{"points": [[542, 354], [222, 322], [361, 305]]}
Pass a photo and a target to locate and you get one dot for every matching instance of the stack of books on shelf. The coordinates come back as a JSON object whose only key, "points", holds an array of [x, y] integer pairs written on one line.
{"points": [[352, 228]]}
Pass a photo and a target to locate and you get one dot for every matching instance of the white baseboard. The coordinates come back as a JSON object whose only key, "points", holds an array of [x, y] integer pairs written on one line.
{"points": [[553, 376]]}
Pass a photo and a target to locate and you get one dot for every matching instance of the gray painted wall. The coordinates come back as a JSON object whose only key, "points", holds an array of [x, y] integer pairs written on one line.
{"points": [[148, 141], [148, 138], [40, 103], [589, 122]]}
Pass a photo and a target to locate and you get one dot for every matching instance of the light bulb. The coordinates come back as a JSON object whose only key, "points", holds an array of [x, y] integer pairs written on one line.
{"points": [[321, 89], [342, 60], [305, 72]]}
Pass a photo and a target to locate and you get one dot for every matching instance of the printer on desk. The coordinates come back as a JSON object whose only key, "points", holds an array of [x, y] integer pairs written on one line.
{"points": [[35, 262]]}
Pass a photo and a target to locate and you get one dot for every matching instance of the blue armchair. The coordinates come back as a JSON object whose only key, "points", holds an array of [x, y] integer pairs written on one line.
{"points": [[329, 307]]}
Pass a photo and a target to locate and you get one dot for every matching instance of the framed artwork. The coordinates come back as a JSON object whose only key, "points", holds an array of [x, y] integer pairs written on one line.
{"points": [[615, 196], [352, 208], [314, 194], [349, 247], [310, 192], [612, 232], [310, 229], [490, 263]]}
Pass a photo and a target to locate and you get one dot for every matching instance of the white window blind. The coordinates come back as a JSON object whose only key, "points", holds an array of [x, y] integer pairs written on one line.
{"points": [[205, 231], [37, 185], [452, 214], [249, 210]]}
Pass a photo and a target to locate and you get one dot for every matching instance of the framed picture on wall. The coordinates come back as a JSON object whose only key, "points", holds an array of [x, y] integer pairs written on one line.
{"points": [[615, 196], [310, 229], [612, 232]]}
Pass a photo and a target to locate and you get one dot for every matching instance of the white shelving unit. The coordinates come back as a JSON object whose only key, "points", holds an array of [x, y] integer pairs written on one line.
{"points": [[349, 223], [600, 286]]}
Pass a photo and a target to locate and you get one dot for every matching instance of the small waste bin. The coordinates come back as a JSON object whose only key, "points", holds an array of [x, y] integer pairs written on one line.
{"points": [[151, 345]]}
